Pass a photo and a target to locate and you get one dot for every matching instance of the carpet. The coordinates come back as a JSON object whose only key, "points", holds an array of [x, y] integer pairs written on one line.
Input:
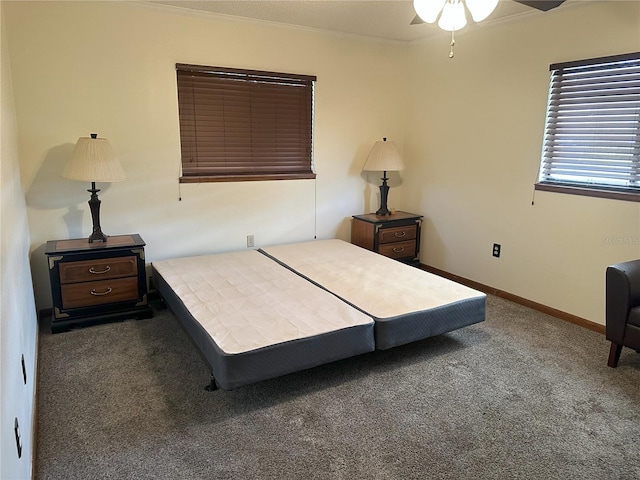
{"points": [[522, 395]]}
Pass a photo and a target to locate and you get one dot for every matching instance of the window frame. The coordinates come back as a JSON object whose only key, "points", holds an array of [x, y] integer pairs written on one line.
{"points": [[244, 125], [594, 189]]}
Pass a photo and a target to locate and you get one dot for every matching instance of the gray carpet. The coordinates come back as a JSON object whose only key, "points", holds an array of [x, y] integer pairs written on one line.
{"points": [[521, 395]]}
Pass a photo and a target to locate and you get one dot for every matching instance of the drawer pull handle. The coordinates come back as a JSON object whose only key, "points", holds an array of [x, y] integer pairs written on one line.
{"points": [[98, 272], [400, 234], [398, 249], [98, 294]]}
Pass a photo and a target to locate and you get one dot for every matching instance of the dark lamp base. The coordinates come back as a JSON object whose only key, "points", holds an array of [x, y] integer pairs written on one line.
{"points": [[94, 205], [97, 237], [384, 193]]}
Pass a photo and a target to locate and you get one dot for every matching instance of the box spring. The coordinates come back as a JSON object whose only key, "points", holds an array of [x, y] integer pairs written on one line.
{"points": [[406, 303], [252, 319]]}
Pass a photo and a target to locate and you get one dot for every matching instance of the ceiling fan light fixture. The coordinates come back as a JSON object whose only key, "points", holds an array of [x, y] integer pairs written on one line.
{"points": [[481, 9], [453, 17], [451, 13], [428, 10]]}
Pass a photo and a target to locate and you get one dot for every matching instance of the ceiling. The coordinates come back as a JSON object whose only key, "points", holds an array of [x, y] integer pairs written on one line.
{"points": [[386, 19]]}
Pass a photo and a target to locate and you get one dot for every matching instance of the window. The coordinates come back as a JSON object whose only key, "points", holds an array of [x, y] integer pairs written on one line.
{"points": [[592, 135], [238, 125]]}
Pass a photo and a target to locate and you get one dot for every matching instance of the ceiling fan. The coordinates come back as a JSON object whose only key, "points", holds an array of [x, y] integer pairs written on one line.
{"points": [[543, 5]]}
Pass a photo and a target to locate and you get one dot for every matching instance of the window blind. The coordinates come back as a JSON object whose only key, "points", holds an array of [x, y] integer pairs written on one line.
{"points": [[244, 124], [592, 134]]}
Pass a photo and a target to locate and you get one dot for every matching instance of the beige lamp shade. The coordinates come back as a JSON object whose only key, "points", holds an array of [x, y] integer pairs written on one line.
{"points": [[384, 157], [93, 160]]}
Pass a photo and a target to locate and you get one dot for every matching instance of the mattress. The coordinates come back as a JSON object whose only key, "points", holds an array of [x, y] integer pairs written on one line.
{"points": [[252, 319], [406, 303]]}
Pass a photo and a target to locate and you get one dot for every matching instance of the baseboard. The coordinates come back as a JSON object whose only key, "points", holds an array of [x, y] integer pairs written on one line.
{"points": [[583, 322], [34, 409]]}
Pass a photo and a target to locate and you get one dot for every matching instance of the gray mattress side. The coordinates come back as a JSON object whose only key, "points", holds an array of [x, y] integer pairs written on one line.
{"points": [[392, 332]]}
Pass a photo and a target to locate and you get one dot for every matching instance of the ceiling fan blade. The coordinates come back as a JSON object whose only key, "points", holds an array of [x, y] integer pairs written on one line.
{"points": [[416, 20], [543, 5]]}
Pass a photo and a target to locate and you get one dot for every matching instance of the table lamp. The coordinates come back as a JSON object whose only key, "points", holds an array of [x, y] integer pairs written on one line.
{"points": [[384, 157], [93, 161]]}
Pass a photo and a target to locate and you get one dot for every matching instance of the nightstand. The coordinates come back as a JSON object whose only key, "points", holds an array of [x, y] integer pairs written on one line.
{"points": [[396, 236], [97, 282]]}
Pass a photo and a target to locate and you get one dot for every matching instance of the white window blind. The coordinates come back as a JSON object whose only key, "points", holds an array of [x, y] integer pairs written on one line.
{"points": [[592, 134]]}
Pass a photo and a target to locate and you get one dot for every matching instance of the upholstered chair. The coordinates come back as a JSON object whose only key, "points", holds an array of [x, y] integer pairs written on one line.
{"points": [[623, 308]]}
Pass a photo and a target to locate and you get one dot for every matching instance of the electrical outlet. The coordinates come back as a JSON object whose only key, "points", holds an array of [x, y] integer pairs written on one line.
{"points": [[24, 369], [250, 242], [496, 250], [16, 430]]}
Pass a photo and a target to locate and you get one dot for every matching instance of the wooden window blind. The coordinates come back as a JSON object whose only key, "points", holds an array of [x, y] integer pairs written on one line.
{"points": [[592, 134], [240, 125]]}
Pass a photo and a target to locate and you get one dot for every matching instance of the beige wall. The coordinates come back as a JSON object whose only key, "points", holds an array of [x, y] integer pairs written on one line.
{"points": [[18, 325], [470, 129], [473, 144], [109, 68]]}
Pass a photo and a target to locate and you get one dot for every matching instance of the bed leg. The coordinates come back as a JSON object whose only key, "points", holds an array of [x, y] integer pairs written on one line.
{"points": [[212, 385]]}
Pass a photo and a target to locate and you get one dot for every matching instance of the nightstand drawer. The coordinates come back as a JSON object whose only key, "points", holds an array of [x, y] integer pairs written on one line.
{"points": [[98, 269], [398, 249], [397, 234], [98, 293]]}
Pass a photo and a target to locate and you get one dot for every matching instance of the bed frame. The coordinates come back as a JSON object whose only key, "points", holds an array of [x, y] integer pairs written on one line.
{"points": [[335, 299]]}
